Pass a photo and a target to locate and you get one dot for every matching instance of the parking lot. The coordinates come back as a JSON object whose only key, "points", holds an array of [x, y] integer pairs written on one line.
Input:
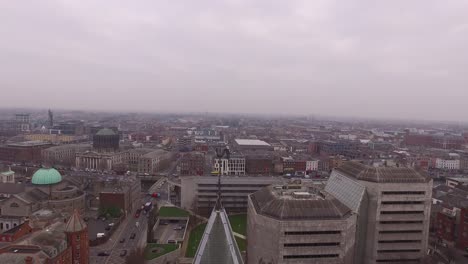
{"points": [[170, 231]]}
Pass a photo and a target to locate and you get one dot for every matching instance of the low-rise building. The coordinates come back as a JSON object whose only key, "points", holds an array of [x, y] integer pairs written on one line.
{"points": [[200, 193]]}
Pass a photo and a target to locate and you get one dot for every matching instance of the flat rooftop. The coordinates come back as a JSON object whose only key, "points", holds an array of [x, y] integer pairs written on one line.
{"points": [[31, 143], [251, 142], [381, 174], [297, 202]]}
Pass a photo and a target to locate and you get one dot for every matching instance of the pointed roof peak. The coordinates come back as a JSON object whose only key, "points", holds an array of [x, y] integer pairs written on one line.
{"points": [[75, 223]]}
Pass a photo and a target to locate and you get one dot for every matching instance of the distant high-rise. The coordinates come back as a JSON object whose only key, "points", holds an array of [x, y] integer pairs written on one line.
{"points": [[51, 119], [22, 122]]}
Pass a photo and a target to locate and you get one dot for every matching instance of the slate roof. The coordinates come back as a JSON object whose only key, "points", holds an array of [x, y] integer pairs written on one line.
{"points": [[11, 188], [75, 223]]}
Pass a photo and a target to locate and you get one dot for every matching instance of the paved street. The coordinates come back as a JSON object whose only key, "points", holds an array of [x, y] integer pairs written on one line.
{"points": [[128, 227], [114, 247]]}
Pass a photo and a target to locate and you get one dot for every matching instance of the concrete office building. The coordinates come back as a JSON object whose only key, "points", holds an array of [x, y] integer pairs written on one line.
{"points": [[393, 210], [299, 224], [199, 193]]}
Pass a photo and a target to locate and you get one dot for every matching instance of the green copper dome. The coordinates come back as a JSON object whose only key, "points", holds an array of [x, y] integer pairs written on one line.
{"points": [[46, 176]]}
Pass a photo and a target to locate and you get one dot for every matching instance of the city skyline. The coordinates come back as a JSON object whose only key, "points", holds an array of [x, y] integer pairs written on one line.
{"points": [[389, 60]]}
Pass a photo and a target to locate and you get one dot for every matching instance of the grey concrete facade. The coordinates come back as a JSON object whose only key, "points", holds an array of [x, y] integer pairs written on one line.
{"points": [[315, 239], [199, 193], [393, 209]]}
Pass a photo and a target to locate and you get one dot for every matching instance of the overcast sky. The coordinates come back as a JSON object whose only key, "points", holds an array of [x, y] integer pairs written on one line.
{"points": [[397, 59]]}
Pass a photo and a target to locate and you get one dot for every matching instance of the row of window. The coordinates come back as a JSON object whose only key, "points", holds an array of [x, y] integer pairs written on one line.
{"points": [[311, 232], [401, 212], [401, 232], [403, 193], [398, 250], [416, 260], [312, 244], [310, 256], [403, 202], [398, 241], [400, 222]]}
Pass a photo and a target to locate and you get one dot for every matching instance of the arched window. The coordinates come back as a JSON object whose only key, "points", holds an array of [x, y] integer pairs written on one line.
{"points": [[14, 205]]}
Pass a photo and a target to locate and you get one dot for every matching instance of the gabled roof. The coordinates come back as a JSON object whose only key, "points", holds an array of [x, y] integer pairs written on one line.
{"points": [[218, 244], [75, 223]]}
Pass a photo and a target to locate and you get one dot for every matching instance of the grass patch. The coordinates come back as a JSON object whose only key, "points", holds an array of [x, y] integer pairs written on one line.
{"points": [[194, 240], [172, 212], [239, 223], [156, 250], [241, 244]]}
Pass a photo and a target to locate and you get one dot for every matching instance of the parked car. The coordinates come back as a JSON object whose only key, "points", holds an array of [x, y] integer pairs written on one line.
{"points": [[103, 254], [122, 240], [123, 253], [133, 236]]}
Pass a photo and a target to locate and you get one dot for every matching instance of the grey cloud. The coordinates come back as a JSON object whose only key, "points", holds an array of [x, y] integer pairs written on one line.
{"points": [[363, 58]]}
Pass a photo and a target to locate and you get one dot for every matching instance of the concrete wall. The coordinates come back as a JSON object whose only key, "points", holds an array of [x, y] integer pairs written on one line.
{"points": [[266, 238], [374, 227]]}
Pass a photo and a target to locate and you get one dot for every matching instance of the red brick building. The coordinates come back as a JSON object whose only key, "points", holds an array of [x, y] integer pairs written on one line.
{"points": [[77, 239], [16, 232], [29, 151], [462, 242], [445, 225], [192, 164], [258, 164]]}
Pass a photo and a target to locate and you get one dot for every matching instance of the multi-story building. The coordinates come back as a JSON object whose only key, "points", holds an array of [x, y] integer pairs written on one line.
{"points": [[302, 225], [393, 207], [235, 165], [28, 151], [54, 138], [312, 165], [251, 145], [154, 161], [258, 163], [192, 163], [200, 193], [63, 154], [23, 122], [120, 192], [132, 156], [447, 164]]}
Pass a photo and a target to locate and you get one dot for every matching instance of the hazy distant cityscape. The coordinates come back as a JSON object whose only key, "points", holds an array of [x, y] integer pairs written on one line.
{"points": [[92, 187]]}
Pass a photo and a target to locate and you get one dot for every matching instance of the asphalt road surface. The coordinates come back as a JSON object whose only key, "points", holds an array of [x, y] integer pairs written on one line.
{"points": [[114, 247]]}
